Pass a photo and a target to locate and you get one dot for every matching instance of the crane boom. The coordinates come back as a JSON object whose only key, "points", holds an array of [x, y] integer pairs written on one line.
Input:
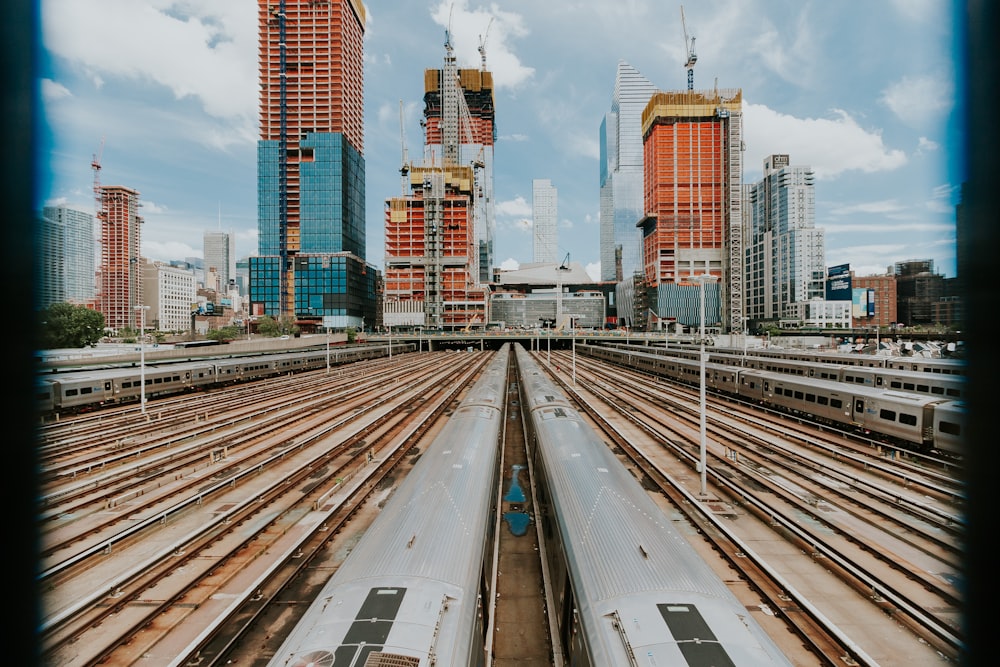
{"points": [[692, 57]]}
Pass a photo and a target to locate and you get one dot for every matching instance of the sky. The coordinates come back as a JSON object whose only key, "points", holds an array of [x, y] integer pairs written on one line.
{"points": [[163, 94]]}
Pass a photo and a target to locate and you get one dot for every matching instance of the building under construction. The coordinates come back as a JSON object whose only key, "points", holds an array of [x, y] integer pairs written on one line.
{"points": [[439, 233], [692, 156], [120, 275]]}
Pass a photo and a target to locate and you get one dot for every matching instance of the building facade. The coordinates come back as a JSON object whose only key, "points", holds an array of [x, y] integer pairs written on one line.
{"points": [[120, 275], [310, 265], [785, 252], [621, 199], [66, 257], [883, 290], [431, 278], [220, 257], [544, 216], [692, 199], [918, 289], [171, 294]]}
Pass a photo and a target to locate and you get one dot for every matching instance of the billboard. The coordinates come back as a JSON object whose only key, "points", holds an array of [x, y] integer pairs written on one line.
{"points": [[838, 283], [862, 302]]}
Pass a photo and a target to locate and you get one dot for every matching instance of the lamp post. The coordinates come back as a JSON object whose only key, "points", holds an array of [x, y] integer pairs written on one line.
{"points": [[328, 350], [142, 357], [702, 452]]}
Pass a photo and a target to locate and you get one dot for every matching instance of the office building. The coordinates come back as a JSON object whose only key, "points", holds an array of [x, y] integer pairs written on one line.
{"points": [[621, 175], [120, 276], [785, 252], [544, 216], [66, 257], [170, 292], [310, 265], [692, 226], [220, 257]]}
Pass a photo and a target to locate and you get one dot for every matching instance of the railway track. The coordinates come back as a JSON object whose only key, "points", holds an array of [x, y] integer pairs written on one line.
{"points": [[875, 562]]}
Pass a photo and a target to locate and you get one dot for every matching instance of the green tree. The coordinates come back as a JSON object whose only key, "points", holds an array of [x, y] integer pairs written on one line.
{"points": [[268, 326], [352, 335], [225, 334], [66, 325]]}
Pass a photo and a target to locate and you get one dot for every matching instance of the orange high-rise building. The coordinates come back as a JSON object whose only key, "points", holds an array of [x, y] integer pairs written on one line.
{"points": [[429, 252], [438, 234], [120, 272], [692, 197]]}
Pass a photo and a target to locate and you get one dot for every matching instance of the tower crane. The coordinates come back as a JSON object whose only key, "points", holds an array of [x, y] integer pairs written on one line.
{"points": [[482, 43], [95, 164], [692, 57], [404, 168]]}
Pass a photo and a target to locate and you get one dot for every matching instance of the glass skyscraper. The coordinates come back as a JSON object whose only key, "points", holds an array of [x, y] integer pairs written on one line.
{"points": [[544, 213], [310, 166], [621, 175]]}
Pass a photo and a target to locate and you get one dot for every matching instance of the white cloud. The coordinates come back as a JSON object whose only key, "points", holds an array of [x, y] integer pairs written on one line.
{"points": [[514, 207], [831, 146], [166, 251], [495, 31], [194, 49], [52, 91], [883, 207], [920, 101]]}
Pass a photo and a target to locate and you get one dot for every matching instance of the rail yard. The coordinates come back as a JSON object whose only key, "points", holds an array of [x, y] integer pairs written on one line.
{"points": [[204, 527]]}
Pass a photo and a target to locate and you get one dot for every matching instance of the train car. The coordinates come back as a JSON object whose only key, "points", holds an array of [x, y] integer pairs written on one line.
{"points": [[91, 388], [942, 366], [902, 418], [948, 385], [414, 591], [949, 427], [625, 582]]}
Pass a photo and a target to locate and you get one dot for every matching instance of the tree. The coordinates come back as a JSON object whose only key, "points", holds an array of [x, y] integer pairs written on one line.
{"points": [[66, 325], [225, 334], [268, 326]]}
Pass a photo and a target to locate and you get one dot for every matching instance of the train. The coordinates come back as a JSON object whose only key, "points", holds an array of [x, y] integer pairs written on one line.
{"points": [[416, 588], [912, 420], [89, 389], [625, 583], [934, 377]]}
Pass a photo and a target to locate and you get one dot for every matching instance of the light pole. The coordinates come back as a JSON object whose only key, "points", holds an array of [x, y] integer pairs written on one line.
{"points": [[328, 350], [702, 452], [142, 357]]}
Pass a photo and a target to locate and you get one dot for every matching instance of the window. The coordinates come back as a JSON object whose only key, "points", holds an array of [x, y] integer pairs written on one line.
{"points": [[950, 428], [887, 415], [909, 420]]}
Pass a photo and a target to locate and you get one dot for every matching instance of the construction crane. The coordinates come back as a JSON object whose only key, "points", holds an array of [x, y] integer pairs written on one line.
{"points": [[692, 57], [404, 168], [95, 164], [482, 43]]}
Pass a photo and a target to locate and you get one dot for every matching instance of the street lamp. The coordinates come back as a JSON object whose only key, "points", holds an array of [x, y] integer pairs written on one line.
{"points": [[702, 460], [142, 357]]}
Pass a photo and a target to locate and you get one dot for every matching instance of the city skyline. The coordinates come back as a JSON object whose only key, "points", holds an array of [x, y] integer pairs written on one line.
{"points": [[177, 119]]}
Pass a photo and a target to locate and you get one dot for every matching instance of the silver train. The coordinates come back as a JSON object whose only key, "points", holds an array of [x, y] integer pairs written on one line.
{"points": [[625, 582], [923, 422], [77, 391], [412, 591], [934, 377]]}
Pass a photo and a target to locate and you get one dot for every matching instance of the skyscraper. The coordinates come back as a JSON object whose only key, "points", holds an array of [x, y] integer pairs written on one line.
{"points": [[544, 213], [439, 234], [692, 152], [220, 256], [120, 272], [460, 128], [785, 253], [621, 175], [66, 257], [310, 165]]}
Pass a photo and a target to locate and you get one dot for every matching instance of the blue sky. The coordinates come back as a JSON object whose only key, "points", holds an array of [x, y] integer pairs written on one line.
{"points": [[866, 93]]}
